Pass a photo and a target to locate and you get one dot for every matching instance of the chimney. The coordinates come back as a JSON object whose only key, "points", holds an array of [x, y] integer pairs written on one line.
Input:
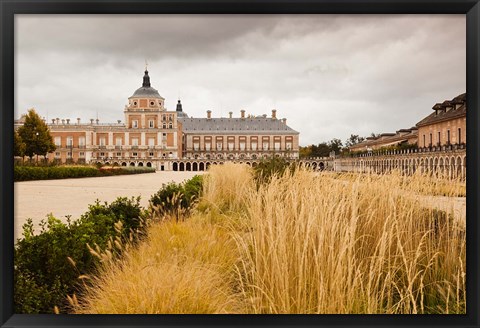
{"points": [[209, 114], [58, 120], [91, 121], [68, 121], [119, 121], [53, 121], [78, 120], [274, 114], [242, 113], [97, 120], [284, 121], [63, 121], [230, 114]]}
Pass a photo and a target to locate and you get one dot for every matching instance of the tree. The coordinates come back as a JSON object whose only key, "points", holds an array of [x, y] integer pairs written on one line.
{"points": [[18, 145], [322, 150], [305, 152], [36, 135], [353, 140], [335, 145]]}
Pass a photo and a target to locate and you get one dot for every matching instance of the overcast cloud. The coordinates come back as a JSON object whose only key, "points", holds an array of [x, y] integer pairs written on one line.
{"points": [[329, 75]]}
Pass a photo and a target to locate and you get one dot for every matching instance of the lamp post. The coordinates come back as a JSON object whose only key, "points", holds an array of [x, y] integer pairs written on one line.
{"points": [[36, 134]]}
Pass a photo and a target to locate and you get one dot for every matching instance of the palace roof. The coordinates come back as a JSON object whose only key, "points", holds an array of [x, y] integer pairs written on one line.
{"points": [[235, 125], [441, 114]]}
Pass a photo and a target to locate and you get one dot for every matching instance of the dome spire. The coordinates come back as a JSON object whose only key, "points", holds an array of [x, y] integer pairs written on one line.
{"points": [[146, 79], [179, 106]]}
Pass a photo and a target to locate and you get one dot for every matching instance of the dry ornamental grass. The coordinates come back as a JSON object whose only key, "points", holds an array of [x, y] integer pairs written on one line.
{"points": [[306, 242]]}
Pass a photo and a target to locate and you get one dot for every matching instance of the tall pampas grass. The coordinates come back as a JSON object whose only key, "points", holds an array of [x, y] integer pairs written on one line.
{"points": [[323, 245], [305, 242]]}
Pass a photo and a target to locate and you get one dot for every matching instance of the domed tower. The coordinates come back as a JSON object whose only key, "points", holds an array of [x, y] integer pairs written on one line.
{"points": [[144, 106]]}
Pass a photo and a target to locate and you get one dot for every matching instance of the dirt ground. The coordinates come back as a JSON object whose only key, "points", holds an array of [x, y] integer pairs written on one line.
{"points": [[35, 199]]}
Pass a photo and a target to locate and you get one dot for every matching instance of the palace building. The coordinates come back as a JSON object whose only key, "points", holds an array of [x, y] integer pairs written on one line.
{"points": [[151, 135]]}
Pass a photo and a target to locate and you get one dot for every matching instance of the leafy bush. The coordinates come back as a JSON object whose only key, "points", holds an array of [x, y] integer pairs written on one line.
{"points": [[269, 167], [26, 173], [44, 274], [176, 199]]}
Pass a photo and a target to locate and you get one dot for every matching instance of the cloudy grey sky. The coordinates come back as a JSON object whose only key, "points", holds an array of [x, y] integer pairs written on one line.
{"points": [[329, 75]]}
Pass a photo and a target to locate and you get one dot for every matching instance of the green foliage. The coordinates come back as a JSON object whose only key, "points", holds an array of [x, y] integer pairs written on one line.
{"points": [[26, 173], [18, 145], [269, 167], [175, 199], [353, 140], [36, 135], [43, 273], [323, 149]]}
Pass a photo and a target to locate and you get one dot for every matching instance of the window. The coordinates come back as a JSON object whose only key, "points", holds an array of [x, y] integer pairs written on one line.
{"points": [[164, 125], [431, 140], [288, 146], [170, 125], [58, 141], [219, 146], [152, 103], [231, 145], [242, 145], [69, 141], [151, 124], [135, 142], [254, 145], [57, 154], [118, 142], [164, 136], [151, 142], [439, 138], [265, 145], [119, 154], [208, 146], [81, 141], [134, 124], [448, 136], [135, 154], [459, 135], [81, 154], [150, 154], [424, 144], [277, 145], [102, 154], [102, 141]]}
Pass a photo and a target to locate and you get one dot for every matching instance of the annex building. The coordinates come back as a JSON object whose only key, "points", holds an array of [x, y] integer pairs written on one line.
{"points": [[153, 136]]}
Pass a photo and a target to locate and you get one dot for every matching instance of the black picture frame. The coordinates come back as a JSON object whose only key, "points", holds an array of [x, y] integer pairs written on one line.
{"points": [[471, 8]]}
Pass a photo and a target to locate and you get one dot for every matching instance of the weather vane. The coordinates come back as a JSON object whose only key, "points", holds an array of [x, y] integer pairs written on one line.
{"points": [[146, 65]]}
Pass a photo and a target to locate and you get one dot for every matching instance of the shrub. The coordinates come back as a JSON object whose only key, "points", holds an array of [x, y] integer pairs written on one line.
{"points": [[26, 173], [264, 171], [176, 199], [44, 275]]}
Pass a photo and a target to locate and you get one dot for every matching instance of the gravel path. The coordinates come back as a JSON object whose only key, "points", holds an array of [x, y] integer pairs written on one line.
{"points": [[35, 199]]}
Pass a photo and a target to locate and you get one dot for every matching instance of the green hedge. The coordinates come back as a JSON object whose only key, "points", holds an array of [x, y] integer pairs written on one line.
{"points": [[176, 198], [26, 173], [43, 274]]}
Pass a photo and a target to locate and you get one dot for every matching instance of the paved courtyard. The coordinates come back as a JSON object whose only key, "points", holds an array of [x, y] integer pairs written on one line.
{"points": [[35, 199]]}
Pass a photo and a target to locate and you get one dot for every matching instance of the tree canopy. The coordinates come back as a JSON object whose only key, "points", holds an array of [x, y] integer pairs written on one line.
{"points": [[35, 135], [353, 140], [18, 145]]}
